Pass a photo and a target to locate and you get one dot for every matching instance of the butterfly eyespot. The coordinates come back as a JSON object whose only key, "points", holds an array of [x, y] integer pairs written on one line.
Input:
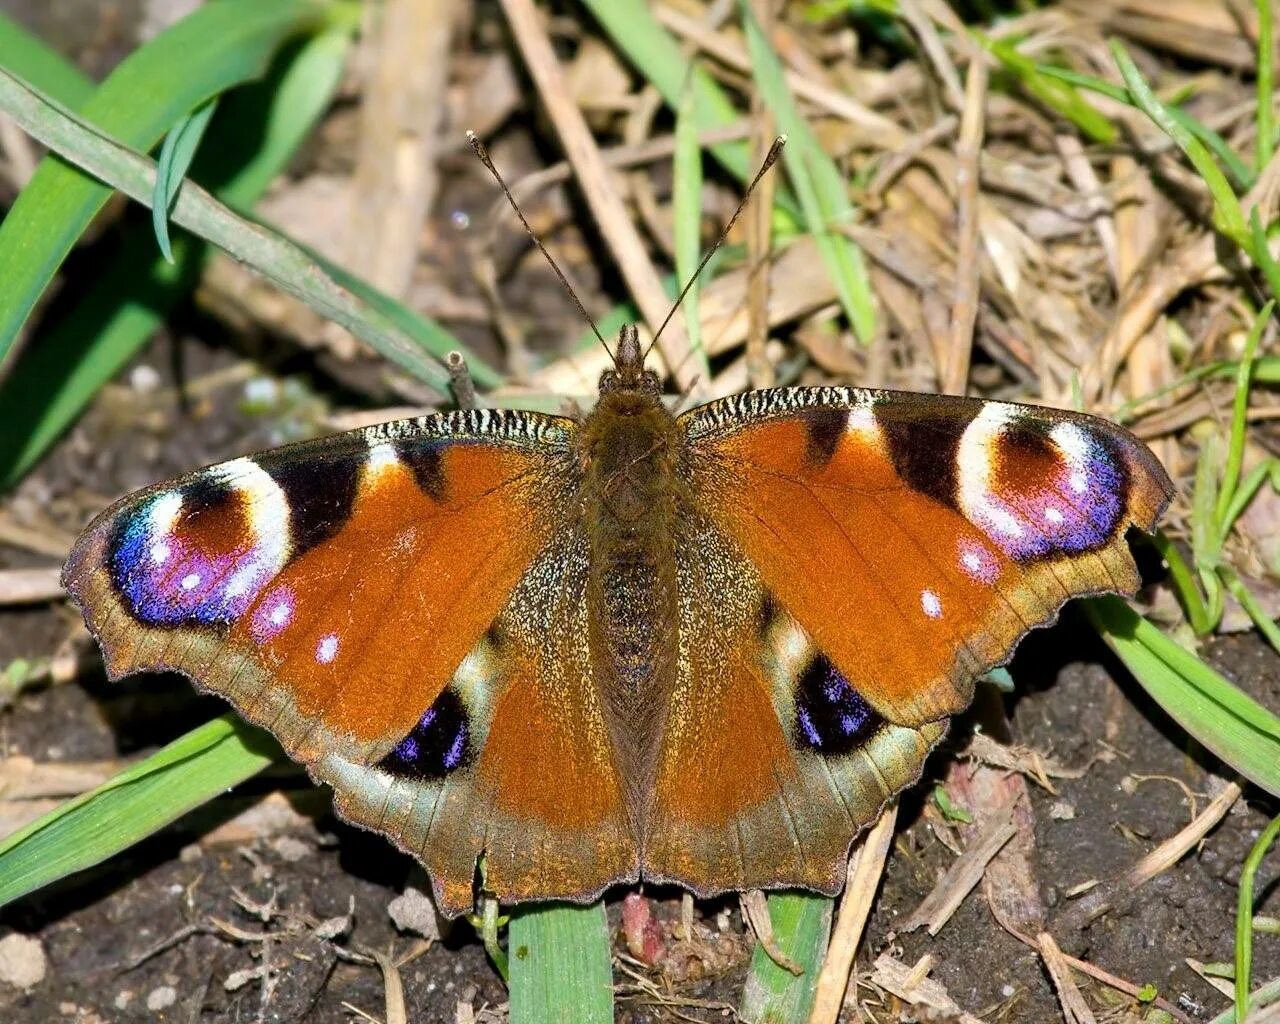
{"points": [[197, 554], [439, 744], [831, 716], [1040, 490]]}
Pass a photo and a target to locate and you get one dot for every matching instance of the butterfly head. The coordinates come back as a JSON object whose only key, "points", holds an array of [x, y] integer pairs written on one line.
{"points": [[629, 373]]}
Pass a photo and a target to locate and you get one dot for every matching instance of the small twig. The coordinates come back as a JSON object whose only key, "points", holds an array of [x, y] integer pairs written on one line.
{"points": [[732, 54], [964, 874], [1074, 1008], [1160, 859], [936, 52], [29, 586], [605, 204], [865, 869], [1094, 971], [964, 311], [755, 908], [464, 388], [392, 989], [155, 949]]}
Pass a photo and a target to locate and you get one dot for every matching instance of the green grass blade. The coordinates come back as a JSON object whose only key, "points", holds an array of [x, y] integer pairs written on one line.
{"points": [[1184, 584], [219, 46], [1266, 129], [1246, 492], [1239, 420], [288, 265], [821, 188], [635, 31], [1054, 93], [1228, 213], [257, 133], [559, 961], [687, 204], [801, 927], [1244, 917], [33, 59], [1220, 716], [136, 803], [1236, 167], [176, 154]]}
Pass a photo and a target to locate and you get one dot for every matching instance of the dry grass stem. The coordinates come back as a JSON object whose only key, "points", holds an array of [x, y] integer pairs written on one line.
{"points": [[732, 53], [29, 586], [907, 984], [963, 875], [602, 197], [397, 176], [1074, 1008], [866, 866], [964, 310]]}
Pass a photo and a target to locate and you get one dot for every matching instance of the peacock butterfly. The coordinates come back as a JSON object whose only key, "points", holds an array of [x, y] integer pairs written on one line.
{"points": [[703, 649]]}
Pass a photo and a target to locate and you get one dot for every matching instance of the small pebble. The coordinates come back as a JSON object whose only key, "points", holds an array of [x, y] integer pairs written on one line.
{"points": [[144, 379], [413, 911], [22, 961], [161, 998], [291, 849]]}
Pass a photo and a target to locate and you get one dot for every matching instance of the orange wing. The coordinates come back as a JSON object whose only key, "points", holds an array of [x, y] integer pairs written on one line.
{"points": [[373, 599], [854, 561]]}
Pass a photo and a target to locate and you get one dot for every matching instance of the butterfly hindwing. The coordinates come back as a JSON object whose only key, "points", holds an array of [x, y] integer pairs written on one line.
{"points": [[770, 764], [374, 600]]}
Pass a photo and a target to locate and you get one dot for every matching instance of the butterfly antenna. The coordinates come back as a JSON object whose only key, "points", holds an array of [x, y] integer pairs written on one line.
{"points": [[769, 159], [483, 154]]}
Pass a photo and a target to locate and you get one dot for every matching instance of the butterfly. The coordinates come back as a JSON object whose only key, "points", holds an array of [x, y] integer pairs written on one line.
{"points": [[702, 649]]}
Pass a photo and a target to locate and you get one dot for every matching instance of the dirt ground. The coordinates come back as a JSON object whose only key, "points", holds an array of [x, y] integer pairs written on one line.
{"points": [[217, 918]]}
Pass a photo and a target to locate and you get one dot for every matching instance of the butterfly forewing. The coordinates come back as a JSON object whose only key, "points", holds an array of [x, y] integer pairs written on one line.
{"points": [[915, 537]]}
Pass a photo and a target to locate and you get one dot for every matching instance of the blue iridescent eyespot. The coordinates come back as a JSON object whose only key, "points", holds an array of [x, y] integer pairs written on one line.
{"points": [[439, 744], [831, 716]]}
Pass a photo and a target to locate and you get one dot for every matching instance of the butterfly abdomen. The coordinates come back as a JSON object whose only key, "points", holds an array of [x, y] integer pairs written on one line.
{"points": [[631, 451]]}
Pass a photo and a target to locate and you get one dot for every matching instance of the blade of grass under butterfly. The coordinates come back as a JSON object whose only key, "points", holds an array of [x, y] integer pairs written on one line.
{"points": [[259, 130], [216, 47], [558, 955], [135, 804], [687, 205], [31, 58], [1244, 917], [276, 257], [801, 928], [176, 154], [821, 188], [1220, 716]]}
